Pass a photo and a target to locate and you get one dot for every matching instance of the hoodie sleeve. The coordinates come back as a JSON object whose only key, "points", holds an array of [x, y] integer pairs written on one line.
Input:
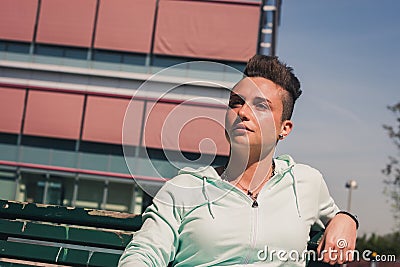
{"points": [[327, 208], [156, 242]]}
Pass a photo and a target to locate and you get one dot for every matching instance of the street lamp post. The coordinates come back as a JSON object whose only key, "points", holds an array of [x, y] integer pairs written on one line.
{"points": [[351, 184]]}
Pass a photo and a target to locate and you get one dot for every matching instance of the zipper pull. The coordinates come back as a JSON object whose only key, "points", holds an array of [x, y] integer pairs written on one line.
{"points": [[255, 204]]}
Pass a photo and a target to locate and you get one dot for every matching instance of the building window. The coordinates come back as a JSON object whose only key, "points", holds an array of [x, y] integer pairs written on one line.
{"points": [[30, 189], [119, 57], [121, 197], [61, 51], [168, 61], [7, 184], [52, 192], [61, 190], [90, 194], [94, 193], [15, 47], [45, 188], [134, 59], [45, 142]]}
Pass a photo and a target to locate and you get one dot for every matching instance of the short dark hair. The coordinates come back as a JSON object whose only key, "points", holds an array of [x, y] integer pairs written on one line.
{"points": [[269, 67]]}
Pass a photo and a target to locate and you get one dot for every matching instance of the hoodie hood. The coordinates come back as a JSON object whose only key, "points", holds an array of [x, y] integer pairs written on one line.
{"points": [[205, 174], [283, 168], [282, 164], [207, 171]]}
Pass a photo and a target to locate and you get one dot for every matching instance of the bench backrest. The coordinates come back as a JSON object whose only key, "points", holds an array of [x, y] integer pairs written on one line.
{"points": [[62, 235], [71, 236]]}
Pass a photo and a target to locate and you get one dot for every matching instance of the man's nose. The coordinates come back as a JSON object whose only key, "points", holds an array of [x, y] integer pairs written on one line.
{"points": [[244, 112]]}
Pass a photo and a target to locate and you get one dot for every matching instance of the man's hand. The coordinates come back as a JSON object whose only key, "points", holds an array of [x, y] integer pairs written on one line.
{"points": [[339, 240]]}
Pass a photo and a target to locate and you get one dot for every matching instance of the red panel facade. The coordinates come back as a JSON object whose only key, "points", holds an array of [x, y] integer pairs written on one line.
{"points": [[66, 22], [104, 120], [186, 128], [214, 30], [53, 114], [11, 109], [17, 19], [125, 25]]}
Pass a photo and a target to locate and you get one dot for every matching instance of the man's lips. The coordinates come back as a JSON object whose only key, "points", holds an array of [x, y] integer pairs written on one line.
{"points": [[241, 126]]}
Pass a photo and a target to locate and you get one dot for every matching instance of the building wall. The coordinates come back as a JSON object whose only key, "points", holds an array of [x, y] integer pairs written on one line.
{"points": [[68, 70], [219, 30]]}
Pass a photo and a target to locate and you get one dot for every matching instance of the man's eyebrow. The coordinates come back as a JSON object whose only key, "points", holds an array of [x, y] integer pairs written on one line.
{"points": [[258, 98], [263, 99]]}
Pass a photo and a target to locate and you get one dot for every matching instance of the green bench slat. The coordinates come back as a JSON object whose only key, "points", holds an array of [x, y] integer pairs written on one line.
{"points": [[12, 264], [65, 215], [65, 256], [64, 234]]}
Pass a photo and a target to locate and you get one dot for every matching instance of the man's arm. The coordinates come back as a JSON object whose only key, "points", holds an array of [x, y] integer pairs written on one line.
{"points": [[340, 233], [156, 242]]}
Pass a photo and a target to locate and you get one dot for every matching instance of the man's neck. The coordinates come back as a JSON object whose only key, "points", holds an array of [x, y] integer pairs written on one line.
{"points": [[248, 171]]}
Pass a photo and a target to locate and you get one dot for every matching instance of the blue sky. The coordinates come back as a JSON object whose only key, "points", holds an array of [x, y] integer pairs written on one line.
{"points": [[346, 54]]}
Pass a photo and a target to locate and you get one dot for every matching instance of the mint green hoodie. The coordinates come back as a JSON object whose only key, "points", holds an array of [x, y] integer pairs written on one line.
{"points": [[198, 219]]}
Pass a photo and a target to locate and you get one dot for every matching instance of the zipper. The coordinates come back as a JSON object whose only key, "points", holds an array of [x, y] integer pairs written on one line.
{"points": [[253, 236], [254, 210]]}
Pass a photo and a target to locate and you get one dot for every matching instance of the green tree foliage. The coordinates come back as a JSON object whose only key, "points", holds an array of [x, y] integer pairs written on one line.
{"points": [[383, 245], [392, 169]]}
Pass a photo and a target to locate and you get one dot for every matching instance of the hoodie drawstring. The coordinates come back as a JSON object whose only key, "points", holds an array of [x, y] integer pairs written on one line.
{"points": [[206, 196], [294, 185]]}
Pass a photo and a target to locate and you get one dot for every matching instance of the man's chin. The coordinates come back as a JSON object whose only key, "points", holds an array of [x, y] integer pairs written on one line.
{"points": [[240, 143]]}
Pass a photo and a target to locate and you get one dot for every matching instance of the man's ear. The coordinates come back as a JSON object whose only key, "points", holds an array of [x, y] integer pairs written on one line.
{"points": [[286, 128]]}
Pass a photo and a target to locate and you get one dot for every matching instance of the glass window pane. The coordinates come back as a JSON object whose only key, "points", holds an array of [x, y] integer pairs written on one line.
{"points": [[90, 194], [18, 47], [35, 155], [31, 187], [107, 56], [2, 46], [77, 53], [60, 190], [138, 201], [8, 152], [7, 189], [237, 65], [7, 185], [165, 61], [119, 197], [91, 161], [63, 158], [134, 59], [47, 50], [118, 164]]}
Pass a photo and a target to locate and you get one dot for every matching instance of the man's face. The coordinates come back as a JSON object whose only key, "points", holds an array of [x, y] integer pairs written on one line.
{"points": [[254, 115]]}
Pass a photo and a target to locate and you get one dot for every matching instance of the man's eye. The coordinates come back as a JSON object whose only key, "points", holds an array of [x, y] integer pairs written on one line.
{"points": [[262, 106], [235, 102]]}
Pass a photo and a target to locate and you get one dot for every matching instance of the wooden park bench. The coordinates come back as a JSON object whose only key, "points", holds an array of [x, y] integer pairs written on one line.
{"points": [[63, 236], [48, 234]]}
